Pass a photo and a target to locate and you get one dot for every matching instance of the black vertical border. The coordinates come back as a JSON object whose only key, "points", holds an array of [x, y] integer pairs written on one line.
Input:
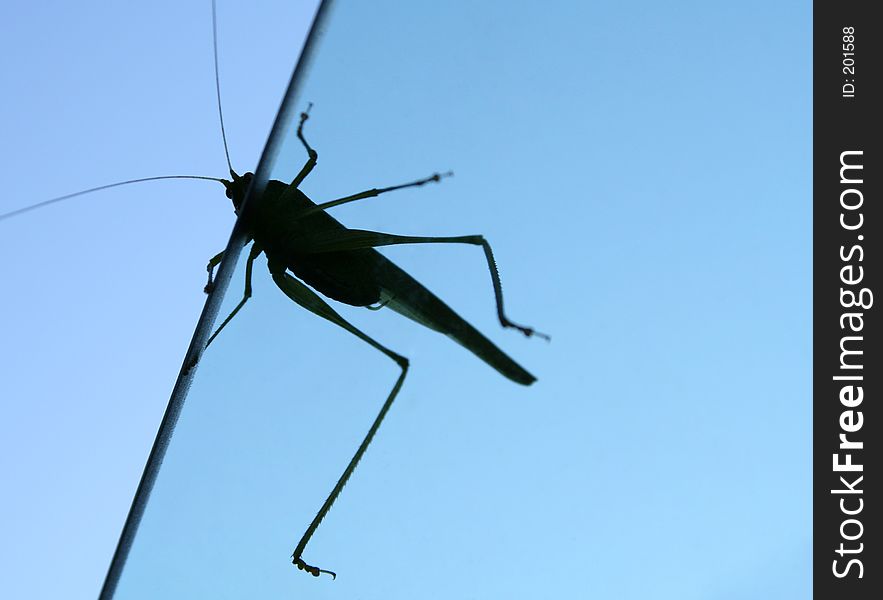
{"points": [[847, 112]]}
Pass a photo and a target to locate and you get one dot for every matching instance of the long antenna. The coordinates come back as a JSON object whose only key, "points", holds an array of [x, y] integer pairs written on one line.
{"points": [[218, 82], [20, 211]]}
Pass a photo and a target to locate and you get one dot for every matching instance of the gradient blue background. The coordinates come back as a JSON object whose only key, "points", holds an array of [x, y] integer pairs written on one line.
{"points": [[643, 174]]}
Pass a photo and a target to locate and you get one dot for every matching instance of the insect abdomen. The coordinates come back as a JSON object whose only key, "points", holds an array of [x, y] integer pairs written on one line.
{"points": [[347, 277]]}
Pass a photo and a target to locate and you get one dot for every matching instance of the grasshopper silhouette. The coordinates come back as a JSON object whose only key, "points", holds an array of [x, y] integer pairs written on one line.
{"points": [[297, 235]]}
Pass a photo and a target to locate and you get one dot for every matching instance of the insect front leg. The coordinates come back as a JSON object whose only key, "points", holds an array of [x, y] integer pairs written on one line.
{"points": [[213, 263], [252, 255], [313, 155], [308, 299], [353, 239]]}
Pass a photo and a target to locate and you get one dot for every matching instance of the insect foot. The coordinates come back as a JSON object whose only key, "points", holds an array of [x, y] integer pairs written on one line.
{"points": [[527, 331], [314, 571], [530, 332]]}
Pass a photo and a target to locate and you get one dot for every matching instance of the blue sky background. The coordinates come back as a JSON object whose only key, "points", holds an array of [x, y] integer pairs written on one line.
{"points": [[643, 173]]}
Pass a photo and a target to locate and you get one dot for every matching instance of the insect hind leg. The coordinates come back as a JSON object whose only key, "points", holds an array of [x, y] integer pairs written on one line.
{"points": [[354, 239], [311, 301]]}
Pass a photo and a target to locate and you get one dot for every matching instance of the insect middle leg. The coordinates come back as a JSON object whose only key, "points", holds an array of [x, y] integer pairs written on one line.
{"points": [[314, 157], [308, 299], [353, 239], [435, 177]]}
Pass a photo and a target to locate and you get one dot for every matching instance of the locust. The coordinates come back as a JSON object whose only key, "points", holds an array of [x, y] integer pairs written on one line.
{"points": [[310, 255]]}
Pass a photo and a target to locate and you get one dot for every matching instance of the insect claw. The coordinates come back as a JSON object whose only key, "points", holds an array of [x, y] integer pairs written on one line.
{"points": [[533, 332], [191, 363], [306, 114], [436, 177], [314, 571], [527, 331]]}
